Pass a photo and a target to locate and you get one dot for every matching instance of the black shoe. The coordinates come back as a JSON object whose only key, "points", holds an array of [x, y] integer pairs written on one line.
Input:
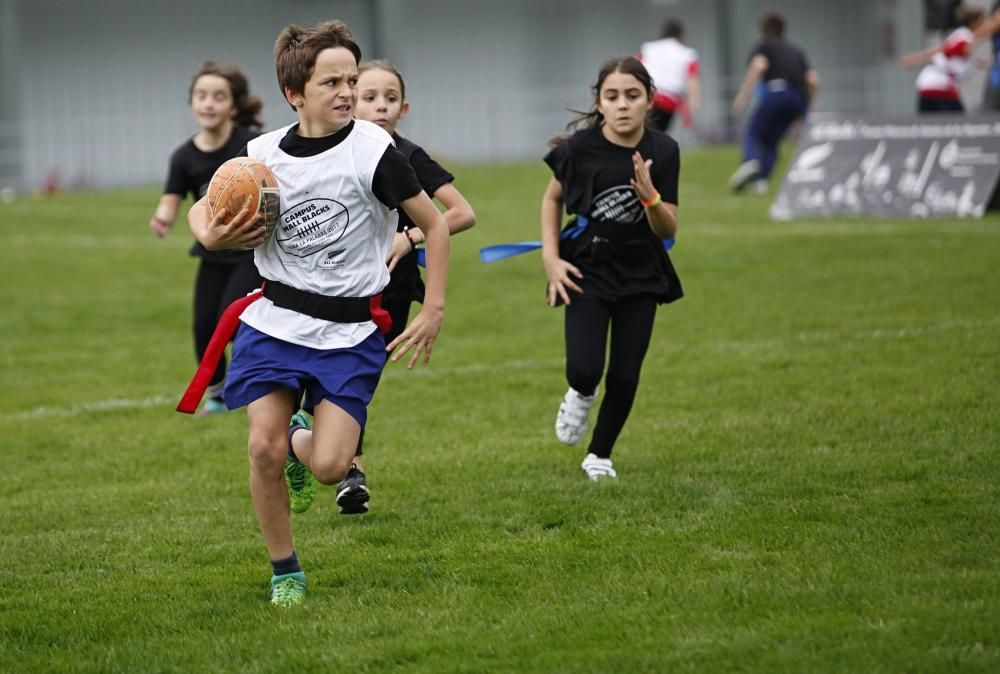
{"points": [[352, 493]]}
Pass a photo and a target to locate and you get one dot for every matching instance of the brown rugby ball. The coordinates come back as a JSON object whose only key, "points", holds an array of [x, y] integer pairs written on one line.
{"points": [[242, 183]]}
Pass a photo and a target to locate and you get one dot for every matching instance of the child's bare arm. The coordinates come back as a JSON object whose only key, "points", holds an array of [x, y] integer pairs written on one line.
{"points": [[557, 270], [458, 212], [420, 334], [165, 214]]}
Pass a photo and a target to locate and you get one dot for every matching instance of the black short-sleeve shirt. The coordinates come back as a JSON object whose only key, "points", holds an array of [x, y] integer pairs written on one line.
{"points": [[785, 61], [405, 284], [192, 169], [618, 252], [394, 180]]}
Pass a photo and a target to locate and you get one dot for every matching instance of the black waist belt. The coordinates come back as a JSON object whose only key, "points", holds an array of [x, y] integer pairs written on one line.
{"points": [[617, 231], [334, 309]]}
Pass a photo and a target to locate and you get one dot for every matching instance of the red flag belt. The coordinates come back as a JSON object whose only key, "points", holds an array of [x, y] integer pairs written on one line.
{"points": [[224, 331]]}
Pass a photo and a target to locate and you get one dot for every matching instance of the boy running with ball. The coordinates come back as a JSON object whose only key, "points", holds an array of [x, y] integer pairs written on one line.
{"points": [[312, 332]]}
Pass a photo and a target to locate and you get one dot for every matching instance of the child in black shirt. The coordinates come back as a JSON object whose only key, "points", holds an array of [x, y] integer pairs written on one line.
{"points": [[609, 267], [382, 100], [228, 117]]}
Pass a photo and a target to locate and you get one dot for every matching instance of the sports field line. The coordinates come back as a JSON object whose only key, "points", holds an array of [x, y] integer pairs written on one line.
{"points": [[769, 229], [396, 369], [87, 408]]}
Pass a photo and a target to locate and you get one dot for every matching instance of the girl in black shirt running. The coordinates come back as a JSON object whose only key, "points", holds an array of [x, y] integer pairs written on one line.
{"points": [[382, 100], [228, 117], [618, 179]]}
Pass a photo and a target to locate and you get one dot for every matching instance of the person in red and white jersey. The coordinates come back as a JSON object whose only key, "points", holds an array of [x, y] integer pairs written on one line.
{"points": [[674, 68], [945, 66]]}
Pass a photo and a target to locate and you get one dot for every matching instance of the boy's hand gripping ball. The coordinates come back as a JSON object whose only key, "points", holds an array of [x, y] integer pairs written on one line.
{"points": [[242, 183]]}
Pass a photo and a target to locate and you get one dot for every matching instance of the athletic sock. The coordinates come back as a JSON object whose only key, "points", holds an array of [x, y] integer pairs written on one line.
{"points": [[281, 567], [361, 441]]}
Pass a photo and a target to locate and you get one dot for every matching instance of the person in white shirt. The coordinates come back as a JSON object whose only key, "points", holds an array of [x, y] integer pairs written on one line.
{"points": [[945, 66], [674, 68]]}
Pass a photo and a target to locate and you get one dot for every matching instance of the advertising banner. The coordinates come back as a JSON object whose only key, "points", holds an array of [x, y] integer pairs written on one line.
{"points": [[932, 166]]}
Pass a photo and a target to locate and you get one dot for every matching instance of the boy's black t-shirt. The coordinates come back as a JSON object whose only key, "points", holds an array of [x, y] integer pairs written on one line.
{"points": [[430, 174], [405, 284], [785, 61], [190, 172], [618, 253]]}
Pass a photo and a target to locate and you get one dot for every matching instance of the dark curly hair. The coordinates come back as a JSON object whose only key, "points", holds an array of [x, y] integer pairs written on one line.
{"points": [[247, 107]]}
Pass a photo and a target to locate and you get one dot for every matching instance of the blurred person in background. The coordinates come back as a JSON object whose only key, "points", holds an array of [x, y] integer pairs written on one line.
{"points": [[674, 68], [786, 85], [990, 28], [228, 115], [944, 66]]}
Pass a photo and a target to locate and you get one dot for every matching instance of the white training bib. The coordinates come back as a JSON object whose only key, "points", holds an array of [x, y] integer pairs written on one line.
{"points": [[333, 234]]}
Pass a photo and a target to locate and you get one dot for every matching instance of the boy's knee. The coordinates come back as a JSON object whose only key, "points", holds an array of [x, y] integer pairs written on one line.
{"points": [[331, 469], [267, 455]]}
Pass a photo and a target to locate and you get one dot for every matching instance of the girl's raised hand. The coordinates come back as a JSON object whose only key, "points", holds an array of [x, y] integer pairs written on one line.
{"points": [[642, 183]]}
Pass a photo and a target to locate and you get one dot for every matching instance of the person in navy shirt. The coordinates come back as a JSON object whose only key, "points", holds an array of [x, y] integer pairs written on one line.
{"points": [[787, 85]]}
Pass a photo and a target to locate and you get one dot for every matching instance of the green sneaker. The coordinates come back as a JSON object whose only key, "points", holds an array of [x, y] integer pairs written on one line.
{"points": [[289, 589], [301, 483]]}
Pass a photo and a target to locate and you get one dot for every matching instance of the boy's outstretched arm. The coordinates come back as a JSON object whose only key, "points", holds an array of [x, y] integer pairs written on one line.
{"points": [[420, 334]]}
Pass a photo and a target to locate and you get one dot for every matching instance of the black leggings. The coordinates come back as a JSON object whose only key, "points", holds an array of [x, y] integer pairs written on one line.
{"points": [[631, 321], [216, 286]]}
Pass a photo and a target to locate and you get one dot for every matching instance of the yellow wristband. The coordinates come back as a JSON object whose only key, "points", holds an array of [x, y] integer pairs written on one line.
{"points": [[649, 204]]}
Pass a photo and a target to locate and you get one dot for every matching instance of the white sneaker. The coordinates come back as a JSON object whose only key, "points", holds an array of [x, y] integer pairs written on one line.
{"points": [[760, 186], [597, 468], [747, 171], [571, 422]]}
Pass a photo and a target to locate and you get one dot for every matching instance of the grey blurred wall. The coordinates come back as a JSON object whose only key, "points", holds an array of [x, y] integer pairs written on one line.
{"points": [[97, 90]]}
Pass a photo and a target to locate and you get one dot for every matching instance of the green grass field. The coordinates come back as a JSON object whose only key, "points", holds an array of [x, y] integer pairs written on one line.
{"points": [[808, 481]]}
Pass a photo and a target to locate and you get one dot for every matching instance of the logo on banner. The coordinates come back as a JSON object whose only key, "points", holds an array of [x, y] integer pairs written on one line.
{"points": [[807, 168]]}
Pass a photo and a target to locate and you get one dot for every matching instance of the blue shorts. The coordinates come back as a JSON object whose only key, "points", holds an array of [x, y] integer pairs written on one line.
{"points": [[346, 377]]}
